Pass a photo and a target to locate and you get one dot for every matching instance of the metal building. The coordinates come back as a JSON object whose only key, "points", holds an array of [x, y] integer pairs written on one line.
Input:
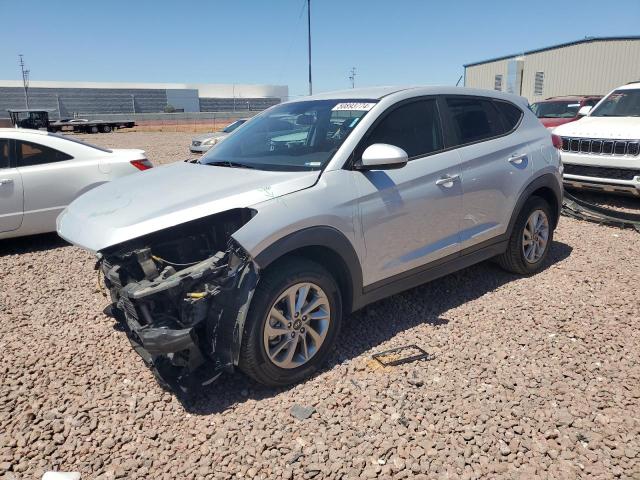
{"points": [[66, 99], [592, 66]]}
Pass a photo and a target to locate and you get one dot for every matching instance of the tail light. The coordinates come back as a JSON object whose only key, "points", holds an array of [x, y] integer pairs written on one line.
{"points": [[557, 141], [142, 164]]}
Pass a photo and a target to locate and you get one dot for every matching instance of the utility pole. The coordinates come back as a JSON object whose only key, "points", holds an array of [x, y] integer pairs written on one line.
{"points": [[25, 80], [352, 77], [309, 41]]}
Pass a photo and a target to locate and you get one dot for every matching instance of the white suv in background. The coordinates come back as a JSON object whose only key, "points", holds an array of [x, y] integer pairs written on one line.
{"points": [[602, 150]]}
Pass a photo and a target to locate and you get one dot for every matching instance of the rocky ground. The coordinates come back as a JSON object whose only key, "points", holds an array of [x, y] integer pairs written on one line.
{"points": [[533, 377]]}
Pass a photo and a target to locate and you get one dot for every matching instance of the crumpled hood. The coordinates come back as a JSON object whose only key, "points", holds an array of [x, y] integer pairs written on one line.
{"points": [[155, 199], [207, 136], [626, 128]]}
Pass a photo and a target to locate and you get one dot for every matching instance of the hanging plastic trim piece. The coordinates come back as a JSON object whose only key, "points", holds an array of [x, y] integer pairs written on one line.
{"points": [[582, 210]]}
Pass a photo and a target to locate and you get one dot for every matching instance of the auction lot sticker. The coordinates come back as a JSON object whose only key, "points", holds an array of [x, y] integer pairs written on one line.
{"points": [[353, 106]]}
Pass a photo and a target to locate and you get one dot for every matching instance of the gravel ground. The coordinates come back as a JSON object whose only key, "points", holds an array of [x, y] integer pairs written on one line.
{"points": [[533, 377]]}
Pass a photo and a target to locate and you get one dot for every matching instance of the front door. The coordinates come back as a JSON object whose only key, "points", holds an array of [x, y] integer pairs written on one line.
{"points": [[11, 195], [409, 216]]}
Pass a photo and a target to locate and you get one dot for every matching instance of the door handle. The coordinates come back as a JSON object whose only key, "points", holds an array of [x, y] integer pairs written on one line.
{"points": [[447, 180], [6, 181], [518, 159]]}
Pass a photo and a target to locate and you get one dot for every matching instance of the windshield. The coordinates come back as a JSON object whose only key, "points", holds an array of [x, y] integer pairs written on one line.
{"points": [[556, 109], [232, 126], [292, 136], [621, 103]]}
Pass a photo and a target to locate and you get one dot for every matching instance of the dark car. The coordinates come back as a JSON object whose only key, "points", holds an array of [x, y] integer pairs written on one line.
{"points": [[556, 111]]}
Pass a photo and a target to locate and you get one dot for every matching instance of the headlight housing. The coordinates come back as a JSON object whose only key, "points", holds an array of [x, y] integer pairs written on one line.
{"points": [[210, 141]]}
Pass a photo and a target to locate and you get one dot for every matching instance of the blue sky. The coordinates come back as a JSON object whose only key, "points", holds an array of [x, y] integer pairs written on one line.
{"points": [[264, 41]]}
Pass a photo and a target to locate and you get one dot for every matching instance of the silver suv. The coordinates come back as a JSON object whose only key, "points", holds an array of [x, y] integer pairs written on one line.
{"points": [[253, 256]]}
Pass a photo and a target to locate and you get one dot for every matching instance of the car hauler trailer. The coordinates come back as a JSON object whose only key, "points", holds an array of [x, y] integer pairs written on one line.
{"points": [[39, 120]]}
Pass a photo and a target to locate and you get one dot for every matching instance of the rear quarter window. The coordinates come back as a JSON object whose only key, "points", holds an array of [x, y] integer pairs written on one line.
{"points": [[510, 115], [30, 154], [474, 119]]}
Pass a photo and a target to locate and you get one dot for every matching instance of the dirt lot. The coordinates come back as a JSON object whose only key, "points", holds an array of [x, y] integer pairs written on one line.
{"points": [[533, 377]]}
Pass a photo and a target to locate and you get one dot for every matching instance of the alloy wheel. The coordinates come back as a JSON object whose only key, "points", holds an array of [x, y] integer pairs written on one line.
{"points": [[297, 325], [535, 236]]}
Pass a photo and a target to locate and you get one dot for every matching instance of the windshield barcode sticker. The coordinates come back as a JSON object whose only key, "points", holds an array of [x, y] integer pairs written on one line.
{"points": [[353, 106]]}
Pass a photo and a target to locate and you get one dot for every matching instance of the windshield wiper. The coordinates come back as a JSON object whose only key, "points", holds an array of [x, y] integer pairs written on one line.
{"points": [[226, 163]]}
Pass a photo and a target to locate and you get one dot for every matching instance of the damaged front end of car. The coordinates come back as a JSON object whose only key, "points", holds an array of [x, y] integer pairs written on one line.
{"points": [[182, 295]]}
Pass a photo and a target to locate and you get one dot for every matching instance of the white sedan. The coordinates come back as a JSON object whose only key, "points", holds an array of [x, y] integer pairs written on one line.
{"points": [[41, 173]]}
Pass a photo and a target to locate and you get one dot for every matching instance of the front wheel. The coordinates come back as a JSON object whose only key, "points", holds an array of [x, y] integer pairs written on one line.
{"points": [[293, 322], [530, 239]]}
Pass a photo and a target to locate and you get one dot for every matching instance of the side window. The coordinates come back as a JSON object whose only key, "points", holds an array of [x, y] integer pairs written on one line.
{"points": [[4, 153], [414, 127], [590, 102], [510, 114], [474, 119], [30, 154]]}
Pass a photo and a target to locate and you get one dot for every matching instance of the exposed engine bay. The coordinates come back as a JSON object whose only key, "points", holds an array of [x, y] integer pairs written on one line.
{"points": [[182, 295]]}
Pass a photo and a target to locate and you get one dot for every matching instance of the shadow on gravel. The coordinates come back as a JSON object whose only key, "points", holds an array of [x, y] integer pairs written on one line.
{"points": [[375, 324], [33, 243]]}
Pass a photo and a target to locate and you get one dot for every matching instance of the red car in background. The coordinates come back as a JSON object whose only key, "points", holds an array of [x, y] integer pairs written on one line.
{"points": [[556, 111]]}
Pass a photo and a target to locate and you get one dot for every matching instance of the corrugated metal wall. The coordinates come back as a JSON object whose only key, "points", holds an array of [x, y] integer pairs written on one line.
{"points": [[588, 68], [484, 75]]}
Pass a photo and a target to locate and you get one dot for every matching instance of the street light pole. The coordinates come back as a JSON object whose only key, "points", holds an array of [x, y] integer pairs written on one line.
{"points": [[309, 42]]}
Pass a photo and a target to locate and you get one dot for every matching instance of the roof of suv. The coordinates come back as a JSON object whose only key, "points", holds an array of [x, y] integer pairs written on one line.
{"points": [[376, 93]]}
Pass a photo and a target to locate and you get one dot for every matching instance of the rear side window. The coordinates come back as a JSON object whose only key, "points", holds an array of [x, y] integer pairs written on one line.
{"points": [[414, 127], [30, 154], [474, 119], [4, 153], [510, 114]]}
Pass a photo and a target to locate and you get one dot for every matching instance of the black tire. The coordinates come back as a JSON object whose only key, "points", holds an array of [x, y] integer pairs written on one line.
{"points": [[93, 129], [254, 360], [106, 129], [513, 259]]}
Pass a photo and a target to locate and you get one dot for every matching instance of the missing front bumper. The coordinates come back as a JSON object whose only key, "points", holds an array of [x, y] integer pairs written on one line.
{"points": [[187, 325]]}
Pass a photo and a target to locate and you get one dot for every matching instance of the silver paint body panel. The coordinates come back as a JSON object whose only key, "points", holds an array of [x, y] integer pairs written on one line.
{"points": [[396, 220]]}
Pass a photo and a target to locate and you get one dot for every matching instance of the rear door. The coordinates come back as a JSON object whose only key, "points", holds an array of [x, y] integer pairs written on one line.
{"points": [[11, 195], [409, 216], [50, 178], [496, 163]]}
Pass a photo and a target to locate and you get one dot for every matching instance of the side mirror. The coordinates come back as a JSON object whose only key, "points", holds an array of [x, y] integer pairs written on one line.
{"points": [[584, 111], [381, 156]]}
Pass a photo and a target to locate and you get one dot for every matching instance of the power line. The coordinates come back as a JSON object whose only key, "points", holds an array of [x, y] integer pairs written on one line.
{"points": [[25, 80]]}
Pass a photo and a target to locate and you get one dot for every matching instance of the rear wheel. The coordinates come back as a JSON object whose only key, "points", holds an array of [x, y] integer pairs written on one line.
{"points": [[93, 129], [292, 324], [106, 128], [530, 239]]}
